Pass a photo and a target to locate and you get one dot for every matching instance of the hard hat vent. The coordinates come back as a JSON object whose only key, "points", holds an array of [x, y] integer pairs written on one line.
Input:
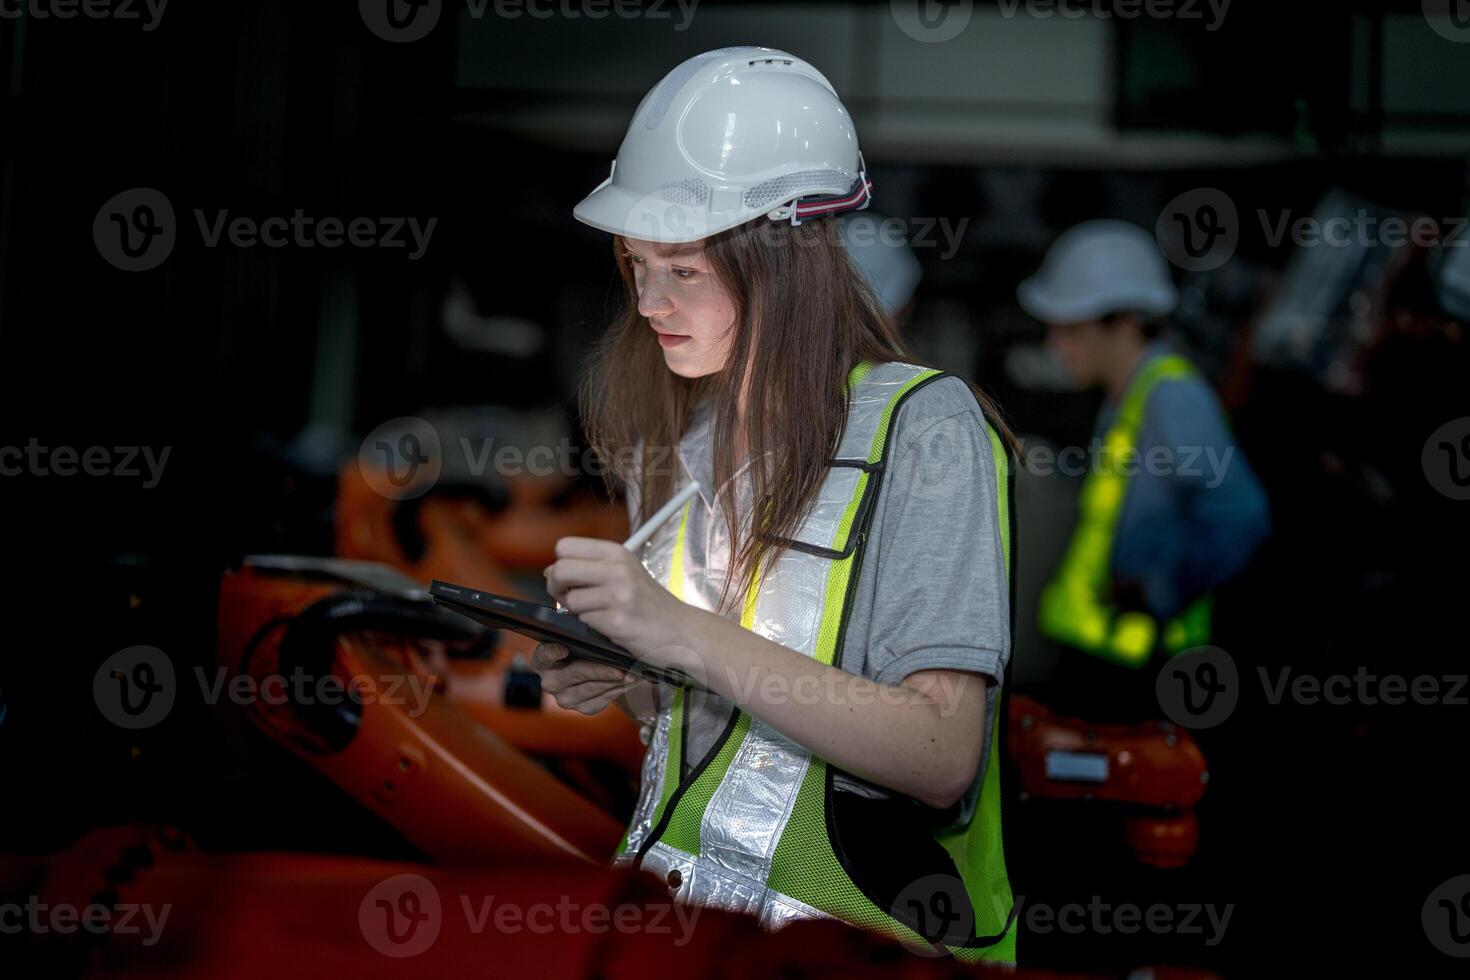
{"points": [[663, 97], [795, 185], [692, 192]]}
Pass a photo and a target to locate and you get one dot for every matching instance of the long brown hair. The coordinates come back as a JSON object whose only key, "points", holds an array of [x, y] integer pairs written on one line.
{"points": [[804, 317]]}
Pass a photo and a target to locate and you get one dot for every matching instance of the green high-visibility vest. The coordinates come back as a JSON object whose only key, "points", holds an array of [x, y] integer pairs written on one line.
{"points": [[748, 828], [1074, 606]]}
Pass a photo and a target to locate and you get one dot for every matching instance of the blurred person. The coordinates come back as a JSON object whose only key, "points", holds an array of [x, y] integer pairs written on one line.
{"points": [[882, 255], [1169, 508], [842, 761]]}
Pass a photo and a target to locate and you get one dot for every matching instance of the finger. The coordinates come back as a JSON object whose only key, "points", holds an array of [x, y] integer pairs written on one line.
{"points": [[548, 656], [596, 685], [571, 697], [568, 573], [586, 670], [580, 672], [570, 669], [594, 705], [593, 549], [588, 598]]}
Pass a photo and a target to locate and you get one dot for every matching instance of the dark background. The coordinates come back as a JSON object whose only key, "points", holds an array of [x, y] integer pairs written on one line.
{"points": [[259, 368]]}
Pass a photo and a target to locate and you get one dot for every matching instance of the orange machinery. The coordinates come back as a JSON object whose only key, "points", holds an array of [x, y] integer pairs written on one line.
{"points": [[1155, 771], [461, 534], [450, 530], [191, 913], [460, 787]]}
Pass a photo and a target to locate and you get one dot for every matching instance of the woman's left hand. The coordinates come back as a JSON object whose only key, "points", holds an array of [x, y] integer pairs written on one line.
{"points": [[607, 588]]}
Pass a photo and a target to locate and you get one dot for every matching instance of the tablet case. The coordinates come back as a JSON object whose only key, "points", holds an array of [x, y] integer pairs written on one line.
{"points": [[548, 625]]}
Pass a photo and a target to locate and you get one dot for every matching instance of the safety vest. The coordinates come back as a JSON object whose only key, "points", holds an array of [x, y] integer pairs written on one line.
{"points": [[747, 829], [1074, 607]]}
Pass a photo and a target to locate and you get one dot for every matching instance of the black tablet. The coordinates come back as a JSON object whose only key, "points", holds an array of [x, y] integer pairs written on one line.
{"points": [[548, 625]]}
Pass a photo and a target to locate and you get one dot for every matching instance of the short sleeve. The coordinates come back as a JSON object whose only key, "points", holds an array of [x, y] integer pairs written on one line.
{"points": [[942, 597]]}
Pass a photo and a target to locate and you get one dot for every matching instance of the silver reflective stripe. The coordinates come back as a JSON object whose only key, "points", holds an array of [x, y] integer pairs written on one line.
{"points": [[782, 910], [748, 812], [658, 558], [710, 886], [651, 784]]}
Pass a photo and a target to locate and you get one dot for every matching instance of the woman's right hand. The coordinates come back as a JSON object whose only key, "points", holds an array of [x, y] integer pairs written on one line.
{"points": [[580, 685]]}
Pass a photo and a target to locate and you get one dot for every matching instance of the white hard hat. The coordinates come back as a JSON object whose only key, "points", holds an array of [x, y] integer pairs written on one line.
{"points": [[728, 136], [1097, 268]]}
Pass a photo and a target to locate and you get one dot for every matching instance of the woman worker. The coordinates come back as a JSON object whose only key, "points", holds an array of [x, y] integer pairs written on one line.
{"points": [[839, 585]]}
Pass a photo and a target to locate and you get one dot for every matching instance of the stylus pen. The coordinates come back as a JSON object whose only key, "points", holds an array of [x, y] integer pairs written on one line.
{"points": [[640, 536]]}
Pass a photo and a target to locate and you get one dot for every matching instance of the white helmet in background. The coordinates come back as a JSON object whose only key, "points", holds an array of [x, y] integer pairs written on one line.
{"points": [[886, 262], [729, 136], [1097, 268]]}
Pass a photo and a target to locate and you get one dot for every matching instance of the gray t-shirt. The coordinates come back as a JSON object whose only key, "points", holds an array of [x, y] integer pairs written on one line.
{"points": [[933, 591]]}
